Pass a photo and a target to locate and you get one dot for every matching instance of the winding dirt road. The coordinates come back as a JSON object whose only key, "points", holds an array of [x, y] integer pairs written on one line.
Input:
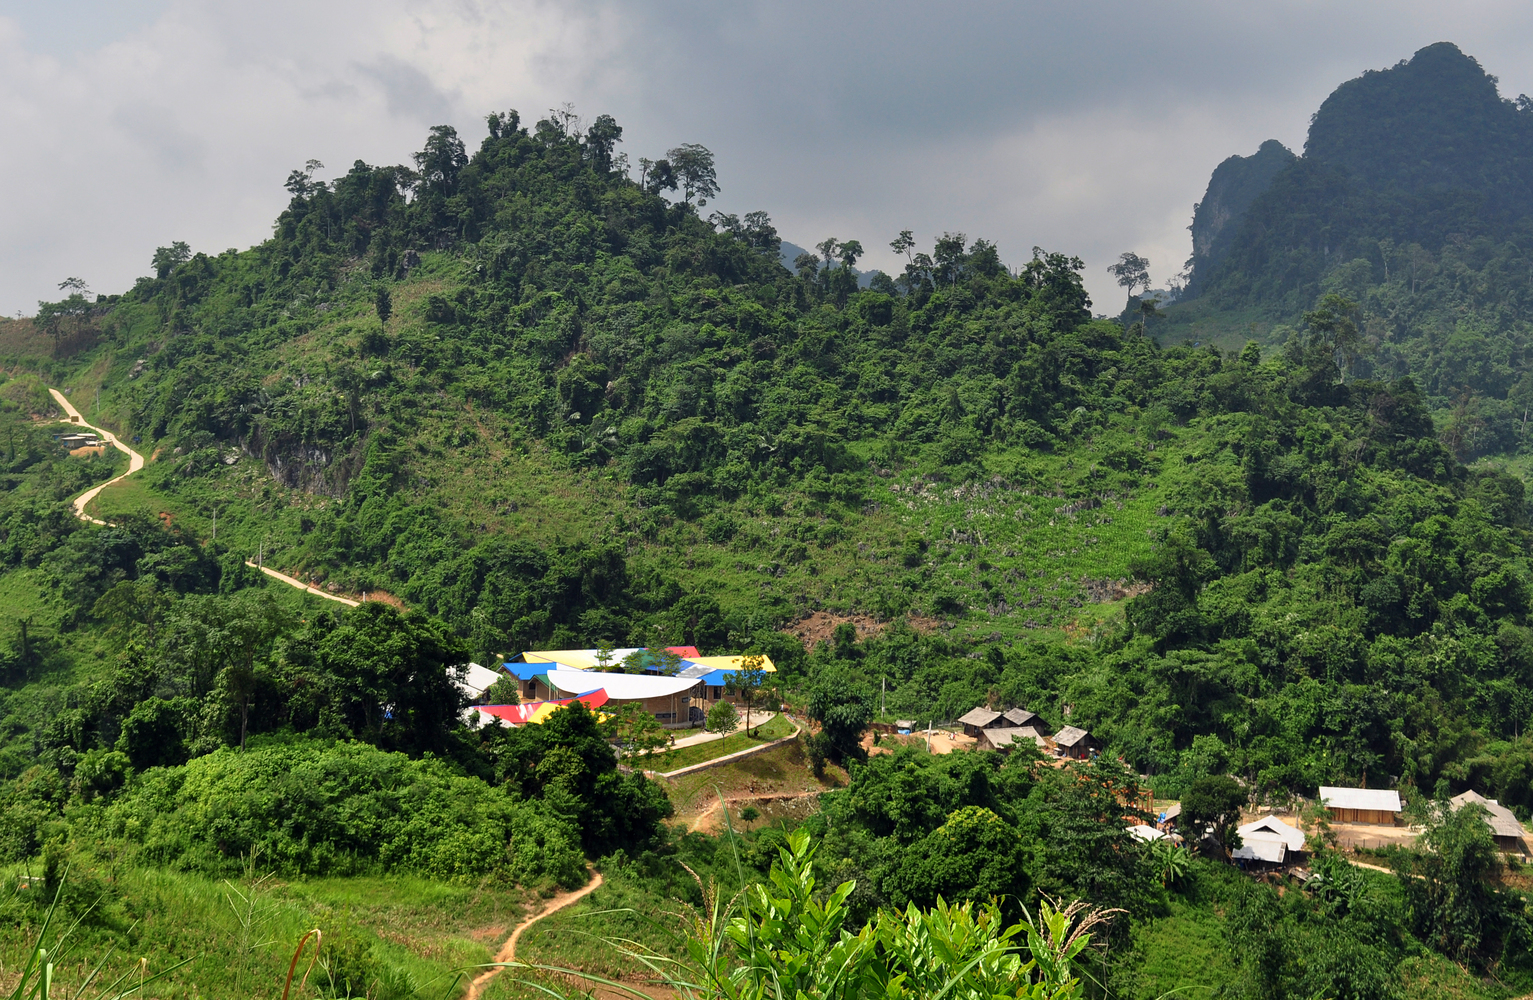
{"points": [[507, 952], [135, 460]]}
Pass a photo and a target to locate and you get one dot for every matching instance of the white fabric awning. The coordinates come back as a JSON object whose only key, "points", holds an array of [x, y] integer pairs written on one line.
{"points": [[619, 687]]}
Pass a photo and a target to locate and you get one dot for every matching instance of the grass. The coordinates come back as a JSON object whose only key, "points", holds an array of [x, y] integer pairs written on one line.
{"points": [[781, 773], [776, 728], [1186, 951], [394, 937]]}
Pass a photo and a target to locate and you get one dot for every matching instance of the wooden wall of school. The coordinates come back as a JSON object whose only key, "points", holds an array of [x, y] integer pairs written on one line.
{"points": [[1372, 817]]}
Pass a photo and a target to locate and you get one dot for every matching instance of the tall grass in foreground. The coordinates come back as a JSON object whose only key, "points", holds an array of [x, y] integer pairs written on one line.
{"points": [[37, 969], [782, 940]]}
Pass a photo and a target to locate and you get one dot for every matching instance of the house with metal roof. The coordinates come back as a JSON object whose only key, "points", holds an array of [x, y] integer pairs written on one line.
{"points": [[1006, 737], [1261, 850], [1509, 834], [1373, 806], [976, 719], [1269, 827], [671, 700], [1075, 743]]}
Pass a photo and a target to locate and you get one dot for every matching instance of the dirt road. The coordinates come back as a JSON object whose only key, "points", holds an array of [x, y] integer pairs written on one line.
{"points": [[135, 460], [291, 582], [507, 952]]}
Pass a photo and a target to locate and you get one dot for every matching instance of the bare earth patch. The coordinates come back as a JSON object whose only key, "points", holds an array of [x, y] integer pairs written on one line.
{"points": [[821, 626]]}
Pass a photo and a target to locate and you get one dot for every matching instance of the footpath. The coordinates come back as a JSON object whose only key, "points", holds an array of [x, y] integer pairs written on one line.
{"points": [[507, 953], [135, 463], [135, 460]]}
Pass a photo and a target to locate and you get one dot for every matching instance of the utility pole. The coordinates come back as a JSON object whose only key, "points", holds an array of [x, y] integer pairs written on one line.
{"points": [[883, 687]]}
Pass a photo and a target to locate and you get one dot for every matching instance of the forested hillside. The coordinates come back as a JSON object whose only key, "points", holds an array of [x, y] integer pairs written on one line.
{"points": [[1412, 203], [543, 404]]}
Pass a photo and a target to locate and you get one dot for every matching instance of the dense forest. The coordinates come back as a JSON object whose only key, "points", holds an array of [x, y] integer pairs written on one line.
{"points": [[540, 402]]}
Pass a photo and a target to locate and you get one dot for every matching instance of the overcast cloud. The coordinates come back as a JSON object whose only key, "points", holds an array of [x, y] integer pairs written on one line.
{"points": [[1088, 128]]}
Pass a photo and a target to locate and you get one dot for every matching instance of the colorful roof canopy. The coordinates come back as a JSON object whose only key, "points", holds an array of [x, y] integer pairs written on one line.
{"points": [[537, 711]]}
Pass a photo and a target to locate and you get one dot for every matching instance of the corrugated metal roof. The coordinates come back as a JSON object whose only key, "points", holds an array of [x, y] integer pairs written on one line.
{"points": [[1270, 849], [1020, 716], [1145, 833], [477, 680], [1003, 736], [980, 717], [1069, 736], [1376, 799], [1272, 826], [1500, 819]]}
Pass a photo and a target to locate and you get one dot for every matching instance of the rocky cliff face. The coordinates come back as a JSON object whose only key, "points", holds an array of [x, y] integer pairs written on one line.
{"points": [[1235, 184]]}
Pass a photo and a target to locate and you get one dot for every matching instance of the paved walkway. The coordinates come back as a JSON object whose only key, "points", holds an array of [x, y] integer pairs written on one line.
{"points": [[135, 460], [758, 719]]}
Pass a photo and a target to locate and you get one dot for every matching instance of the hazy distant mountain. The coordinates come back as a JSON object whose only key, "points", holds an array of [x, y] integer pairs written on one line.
{"points": [[790, 252], [1416, 154]]}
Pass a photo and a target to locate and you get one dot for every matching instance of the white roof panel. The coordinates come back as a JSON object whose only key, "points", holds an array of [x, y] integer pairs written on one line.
{"points": [[619, 687], [1272, 826], [1261, 848], [477, 680], [1377, 799], [1145, 833]]}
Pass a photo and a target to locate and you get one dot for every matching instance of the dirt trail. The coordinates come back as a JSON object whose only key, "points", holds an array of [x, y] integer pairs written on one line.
{"points": [[507, 952], [291, 582], [135, 460]]}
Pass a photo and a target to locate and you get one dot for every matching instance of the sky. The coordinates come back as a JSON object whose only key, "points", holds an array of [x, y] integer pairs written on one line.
{"points": [[1088, 128]]}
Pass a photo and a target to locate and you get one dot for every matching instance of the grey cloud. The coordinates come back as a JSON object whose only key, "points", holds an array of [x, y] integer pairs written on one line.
{"points": [[409, 92], [1088, 127]]}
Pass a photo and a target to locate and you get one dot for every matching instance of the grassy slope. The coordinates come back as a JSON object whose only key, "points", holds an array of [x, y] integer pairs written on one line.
{"points": [[396, 934]]}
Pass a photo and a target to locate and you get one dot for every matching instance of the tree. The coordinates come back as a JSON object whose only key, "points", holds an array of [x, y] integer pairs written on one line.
{"points": [[601, 140], [301, 183], [1131, 270], [841, 701], [1214, 803], [383, 302], [746, 682], [848, 253], [635, 732], [398, 690], [441, 160], [694, 169], [1332, 328], [1452, 881], [167, 259], [723, 719]]}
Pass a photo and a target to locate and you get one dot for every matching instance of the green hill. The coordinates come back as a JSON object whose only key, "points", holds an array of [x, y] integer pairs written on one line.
{"points": [[545, 405]]}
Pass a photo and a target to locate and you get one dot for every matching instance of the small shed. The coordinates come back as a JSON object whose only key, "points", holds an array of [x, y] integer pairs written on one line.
{"points": [[1005, 737], [979, 718], [1372, 806], [1270, 826], [1509, 834], [1075, 743], [1169, 817]]}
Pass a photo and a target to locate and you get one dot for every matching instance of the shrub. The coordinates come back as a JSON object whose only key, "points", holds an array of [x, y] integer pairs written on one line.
{"points": [[346, 808]]}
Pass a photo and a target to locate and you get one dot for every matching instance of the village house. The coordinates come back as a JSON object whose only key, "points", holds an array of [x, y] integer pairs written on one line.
{"points": [[997, 730], [1371, 806], [1075, 743], [1508, 832], [1269, 840]]}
